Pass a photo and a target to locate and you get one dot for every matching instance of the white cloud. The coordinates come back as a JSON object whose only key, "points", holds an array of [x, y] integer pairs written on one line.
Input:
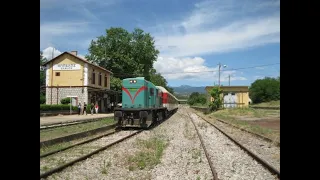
{"points": [[53, 30], [215, 26], [238, 35], [51, 51], [220, 26], [260, 68], [192, 69]]}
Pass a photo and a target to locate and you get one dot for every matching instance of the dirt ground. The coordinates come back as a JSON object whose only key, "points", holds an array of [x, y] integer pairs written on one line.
{"points": [[273, 123]]}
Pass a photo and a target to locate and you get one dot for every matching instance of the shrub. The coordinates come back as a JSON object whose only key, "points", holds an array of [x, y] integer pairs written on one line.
{"points": [[217, 102], [265, 90], [88, 108], [197, 98], [56, 107], [42, 99], [65, 100]]}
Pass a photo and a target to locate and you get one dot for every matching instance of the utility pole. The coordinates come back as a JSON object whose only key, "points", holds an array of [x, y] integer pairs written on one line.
{"points": [[220, 70]]}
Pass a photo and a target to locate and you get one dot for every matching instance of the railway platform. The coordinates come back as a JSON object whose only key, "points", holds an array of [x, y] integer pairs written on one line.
{"points": [[51, 120]]}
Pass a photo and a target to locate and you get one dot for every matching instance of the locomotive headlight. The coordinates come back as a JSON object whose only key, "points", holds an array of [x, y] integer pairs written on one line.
{"points": [[134, 81]]}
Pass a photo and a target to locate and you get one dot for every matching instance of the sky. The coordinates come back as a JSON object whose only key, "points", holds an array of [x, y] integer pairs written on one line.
{"points": [[193, 36]]}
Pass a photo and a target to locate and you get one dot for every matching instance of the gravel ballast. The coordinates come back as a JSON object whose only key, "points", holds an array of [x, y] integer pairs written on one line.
{"points": [[268, 151], [229, 160], [63, 157], [175, 150], [182, 158]]}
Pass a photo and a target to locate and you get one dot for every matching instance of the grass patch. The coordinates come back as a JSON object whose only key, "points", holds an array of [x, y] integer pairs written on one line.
{"points": [[230, 116], [196, 154], [47, 134], [105, 167], [150, 153], [267, 104], [59, 146], [233, 113], [187, 133], [55, 147], [45, 168]]}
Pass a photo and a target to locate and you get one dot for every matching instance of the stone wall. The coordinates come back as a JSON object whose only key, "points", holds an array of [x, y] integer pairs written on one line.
{"points": [[60, 93]]}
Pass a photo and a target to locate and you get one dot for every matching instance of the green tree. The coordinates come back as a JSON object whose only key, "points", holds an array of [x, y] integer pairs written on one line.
{"points": [[42, 59], [115, 83], [113, 52], [182, 97], [143, 52], [158, 80], [265, 90], [42, 73], [42, 99], [125, 54], [217, 101], [192, 98], [197, 98]]}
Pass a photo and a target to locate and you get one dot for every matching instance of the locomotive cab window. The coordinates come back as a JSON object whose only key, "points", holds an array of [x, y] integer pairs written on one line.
{"points": [[151, 91]]}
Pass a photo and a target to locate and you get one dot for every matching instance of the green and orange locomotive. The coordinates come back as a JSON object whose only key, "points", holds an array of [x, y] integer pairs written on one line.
{"points": [[143, 103]]}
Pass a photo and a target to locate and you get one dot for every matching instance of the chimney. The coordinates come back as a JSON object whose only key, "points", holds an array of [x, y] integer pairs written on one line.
{"points": [[74, 52]]}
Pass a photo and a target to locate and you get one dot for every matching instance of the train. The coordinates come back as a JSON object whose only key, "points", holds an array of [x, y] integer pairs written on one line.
{"points": [[143, 104]]}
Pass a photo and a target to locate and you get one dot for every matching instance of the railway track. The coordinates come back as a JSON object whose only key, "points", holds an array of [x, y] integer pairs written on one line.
{"points": [[74, 145], [69, 123], [106, 145], [250, 132], [214, 172], [277, 143], [254, 156], [75, 136]]}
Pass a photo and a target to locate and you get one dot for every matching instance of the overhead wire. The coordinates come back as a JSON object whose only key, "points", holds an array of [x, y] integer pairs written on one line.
{"points": [[186, 72]]}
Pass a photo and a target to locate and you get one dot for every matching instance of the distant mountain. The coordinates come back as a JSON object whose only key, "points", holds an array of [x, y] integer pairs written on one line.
{"points": [[187, 90]]}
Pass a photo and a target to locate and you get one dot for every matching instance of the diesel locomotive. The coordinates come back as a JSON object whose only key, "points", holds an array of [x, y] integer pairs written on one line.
{"points": [[143, 103]]}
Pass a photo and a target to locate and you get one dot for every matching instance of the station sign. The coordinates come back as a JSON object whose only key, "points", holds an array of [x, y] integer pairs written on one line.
{"points": [[66, 67]]}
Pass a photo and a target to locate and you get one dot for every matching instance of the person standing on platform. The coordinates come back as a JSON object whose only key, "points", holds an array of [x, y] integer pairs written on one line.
{"points": [[92, 108], [84, 108], [97, 108], [79, 109]]}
